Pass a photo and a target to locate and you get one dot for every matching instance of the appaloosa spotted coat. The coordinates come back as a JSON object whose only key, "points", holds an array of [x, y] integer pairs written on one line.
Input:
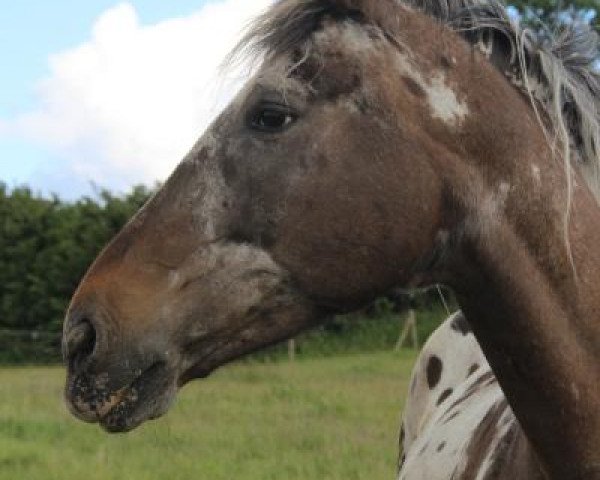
{"points": [[457, 423]]}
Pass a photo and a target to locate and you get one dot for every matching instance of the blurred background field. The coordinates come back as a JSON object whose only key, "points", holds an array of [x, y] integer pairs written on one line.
{"points": [[315, 418]]}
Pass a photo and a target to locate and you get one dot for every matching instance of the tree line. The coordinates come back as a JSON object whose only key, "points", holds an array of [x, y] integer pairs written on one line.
{"points": [[46, 246]]}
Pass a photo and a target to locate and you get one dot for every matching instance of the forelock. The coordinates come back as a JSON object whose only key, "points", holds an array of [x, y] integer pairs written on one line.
{"points": [[289, 24]]}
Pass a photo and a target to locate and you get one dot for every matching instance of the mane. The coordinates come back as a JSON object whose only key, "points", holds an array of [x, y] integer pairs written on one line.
{"points": [[557, 70]]}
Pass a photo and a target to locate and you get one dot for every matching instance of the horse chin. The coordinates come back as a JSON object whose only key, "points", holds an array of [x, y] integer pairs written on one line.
{"points": [[147, 397], [130, 414]]}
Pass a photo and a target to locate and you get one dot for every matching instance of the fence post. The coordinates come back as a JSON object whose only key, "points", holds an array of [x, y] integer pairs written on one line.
{"points": [[292, 349], [410, 326]]}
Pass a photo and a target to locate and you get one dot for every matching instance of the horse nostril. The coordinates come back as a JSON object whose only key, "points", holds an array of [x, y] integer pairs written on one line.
{"points": [[79, 342]]}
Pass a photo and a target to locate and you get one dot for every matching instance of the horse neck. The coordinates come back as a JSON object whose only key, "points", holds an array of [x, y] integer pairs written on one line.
{"points": [[533, 300]]}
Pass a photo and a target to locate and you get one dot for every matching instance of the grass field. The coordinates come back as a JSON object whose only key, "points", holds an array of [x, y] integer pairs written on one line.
{"points": [[323, 418]]}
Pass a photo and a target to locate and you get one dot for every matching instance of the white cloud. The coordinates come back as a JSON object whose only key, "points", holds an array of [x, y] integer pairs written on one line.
{"points": [[130, 102]]}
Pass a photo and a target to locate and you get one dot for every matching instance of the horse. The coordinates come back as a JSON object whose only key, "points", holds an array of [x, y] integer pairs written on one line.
{"points": [[378, 144]]}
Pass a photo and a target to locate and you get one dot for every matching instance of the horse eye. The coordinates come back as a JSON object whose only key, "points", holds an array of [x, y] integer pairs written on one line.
{"points": [[271, 118]]}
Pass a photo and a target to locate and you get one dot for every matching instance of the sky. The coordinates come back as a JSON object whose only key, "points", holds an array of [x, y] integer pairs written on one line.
{"points": [[109, 93]]}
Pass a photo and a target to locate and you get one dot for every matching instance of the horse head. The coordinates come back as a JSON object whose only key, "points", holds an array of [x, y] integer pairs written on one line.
{"points": [[373, 148]]}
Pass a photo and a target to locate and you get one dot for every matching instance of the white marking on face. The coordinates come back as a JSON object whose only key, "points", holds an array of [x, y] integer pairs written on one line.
{"points": [[535, 171], [210, 189], [355, 38], [174, 279], [488, 210], [442, 100], [210, 207]]}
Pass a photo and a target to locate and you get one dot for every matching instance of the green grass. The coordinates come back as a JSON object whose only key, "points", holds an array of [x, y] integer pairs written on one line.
{"points": [[322, 418]]}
